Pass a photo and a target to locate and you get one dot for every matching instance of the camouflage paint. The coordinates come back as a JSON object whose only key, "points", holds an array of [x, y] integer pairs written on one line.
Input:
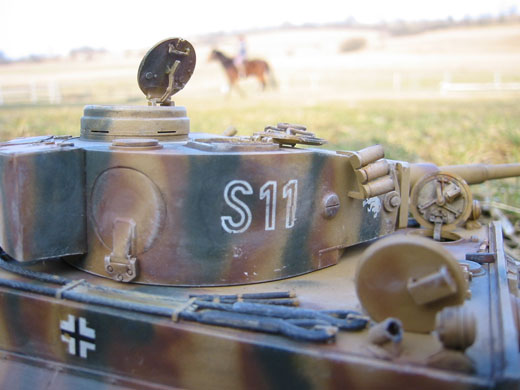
{"points": [[43, 184], [62, 197], [134, 350], [176, 195]]}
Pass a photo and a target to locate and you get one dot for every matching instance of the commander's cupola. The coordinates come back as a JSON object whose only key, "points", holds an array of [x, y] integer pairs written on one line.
{"points": [[164, 71]]}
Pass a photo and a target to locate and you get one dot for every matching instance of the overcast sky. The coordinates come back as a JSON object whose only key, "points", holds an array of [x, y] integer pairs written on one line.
{"points": [[52, 27]]}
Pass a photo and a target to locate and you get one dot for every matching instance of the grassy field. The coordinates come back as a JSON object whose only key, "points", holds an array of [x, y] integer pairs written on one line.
{"points": [[387, 93], [440, 131], [444, 132]]}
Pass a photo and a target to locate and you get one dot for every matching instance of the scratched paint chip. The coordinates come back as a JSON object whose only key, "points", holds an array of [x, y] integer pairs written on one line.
{"points": [[373, 206]]}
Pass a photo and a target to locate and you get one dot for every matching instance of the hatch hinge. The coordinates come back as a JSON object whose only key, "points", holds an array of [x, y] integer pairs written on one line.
{"points": [[120, 264]]}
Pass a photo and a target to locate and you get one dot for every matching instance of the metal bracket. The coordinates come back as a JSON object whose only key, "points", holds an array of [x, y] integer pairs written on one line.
{"points": [[170, 71], [432, 287], [288, 134], [481, 257], [120, 264], [437, 231]]}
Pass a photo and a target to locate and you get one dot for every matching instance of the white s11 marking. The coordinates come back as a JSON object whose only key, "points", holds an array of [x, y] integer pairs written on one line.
{"points": [[290, 192], [244, 220], [268, 192]]}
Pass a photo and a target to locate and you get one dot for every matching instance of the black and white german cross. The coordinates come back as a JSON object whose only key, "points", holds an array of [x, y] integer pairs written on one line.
{"points": [[78, 336]]}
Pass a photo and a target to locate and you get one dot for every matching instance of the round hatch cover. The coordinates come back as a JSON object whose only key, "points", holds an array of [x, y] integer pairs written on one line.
{"points": [[166, 69], [401, 277]]}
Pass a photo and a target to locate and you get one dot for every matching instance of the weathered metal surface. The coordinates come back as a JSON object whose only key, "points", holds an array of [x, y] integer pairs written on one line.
{"points": [[199, 220], [210, 218], [166, 69], [289, 134], [103, 123], [42, 183], [411, 278], [441, 201], [137, 349]]}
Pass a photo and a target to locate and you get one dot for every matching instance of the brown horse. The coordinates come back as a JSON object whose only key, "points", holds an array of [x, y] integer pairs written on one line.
{"points": [[257, 68]]}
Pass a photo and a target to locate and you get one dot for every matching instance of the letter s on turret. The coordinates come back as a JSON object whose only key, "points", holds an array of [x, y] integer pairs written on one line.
{"points": [[230, 197]]}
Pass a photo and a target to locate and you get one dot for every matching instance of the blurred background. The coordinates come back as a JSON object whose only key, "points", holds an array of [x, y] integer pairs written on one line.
{"points": [[432, 81]]}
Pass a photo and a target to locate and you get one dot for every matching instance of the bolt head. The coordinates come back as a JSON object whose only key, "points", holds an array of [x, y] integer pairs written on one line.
{"points": [[392, 201], [395, 201], [330, 205]]}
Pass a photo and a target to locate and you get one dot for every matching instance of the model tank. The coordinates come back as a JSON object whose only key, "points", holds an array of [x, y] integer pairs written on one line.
{"points": [[142, 255]]}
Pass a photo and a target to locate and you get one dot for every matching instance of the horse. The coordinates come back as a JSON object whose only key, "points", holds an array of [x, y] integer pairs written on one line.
{"points": [[257, 68]]}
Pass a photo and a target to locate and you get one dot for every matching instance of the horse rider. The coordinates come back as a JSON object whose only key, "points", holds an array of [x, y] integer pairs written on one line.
{"points": [[240, 58]]}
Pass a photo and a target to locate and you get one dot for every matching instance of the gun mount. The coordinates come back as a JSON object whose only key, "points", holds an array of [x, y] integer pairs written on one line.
{"points": [[182, 227], [441, 198]]}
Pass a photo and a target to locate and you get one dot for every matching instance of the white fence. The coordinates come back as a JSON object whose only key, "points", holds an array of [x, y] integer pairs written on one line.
{"points": [[496, 86], [31, 93], [363, 84]]}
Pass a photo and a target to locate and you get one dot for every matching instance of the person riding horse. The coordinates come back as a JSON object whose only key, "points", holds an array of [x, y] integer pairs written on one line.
{"points": [[257, 68], [241, 57]]}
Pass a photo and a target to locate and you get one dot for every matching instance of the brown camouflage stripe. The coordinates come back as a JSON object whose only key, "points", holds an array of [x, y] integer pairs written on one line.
{"points": [[176, 196], [137, 349], [43, 201], [198, 357]]}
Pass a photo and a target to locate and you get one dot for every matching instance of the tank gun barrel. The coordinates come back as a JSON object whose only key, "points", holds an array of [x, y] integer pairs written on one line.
{"points": [[471, 173], [479, 173]]}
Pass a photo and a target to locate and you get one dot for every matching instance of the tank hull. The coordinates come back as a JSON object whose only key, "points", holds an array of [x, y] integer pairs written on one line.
{"points": [[124, 349]]}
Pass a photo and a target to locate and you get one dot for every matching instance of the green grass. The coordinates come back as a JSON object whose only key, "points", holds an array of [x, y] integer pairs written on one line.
{"points": [[25, 121], [444, 132]]}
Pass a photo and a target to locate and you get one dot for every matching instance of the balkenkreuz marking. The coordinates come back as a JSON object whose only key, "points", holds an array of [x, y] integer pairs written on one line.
{"points": [[78, 336]]}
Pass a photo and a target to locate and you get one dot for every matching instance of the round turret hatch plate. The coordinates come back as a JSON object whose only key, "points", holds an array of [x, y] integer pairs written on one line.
{"points": [[125, 193], [166, 69], [389, 277]]}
